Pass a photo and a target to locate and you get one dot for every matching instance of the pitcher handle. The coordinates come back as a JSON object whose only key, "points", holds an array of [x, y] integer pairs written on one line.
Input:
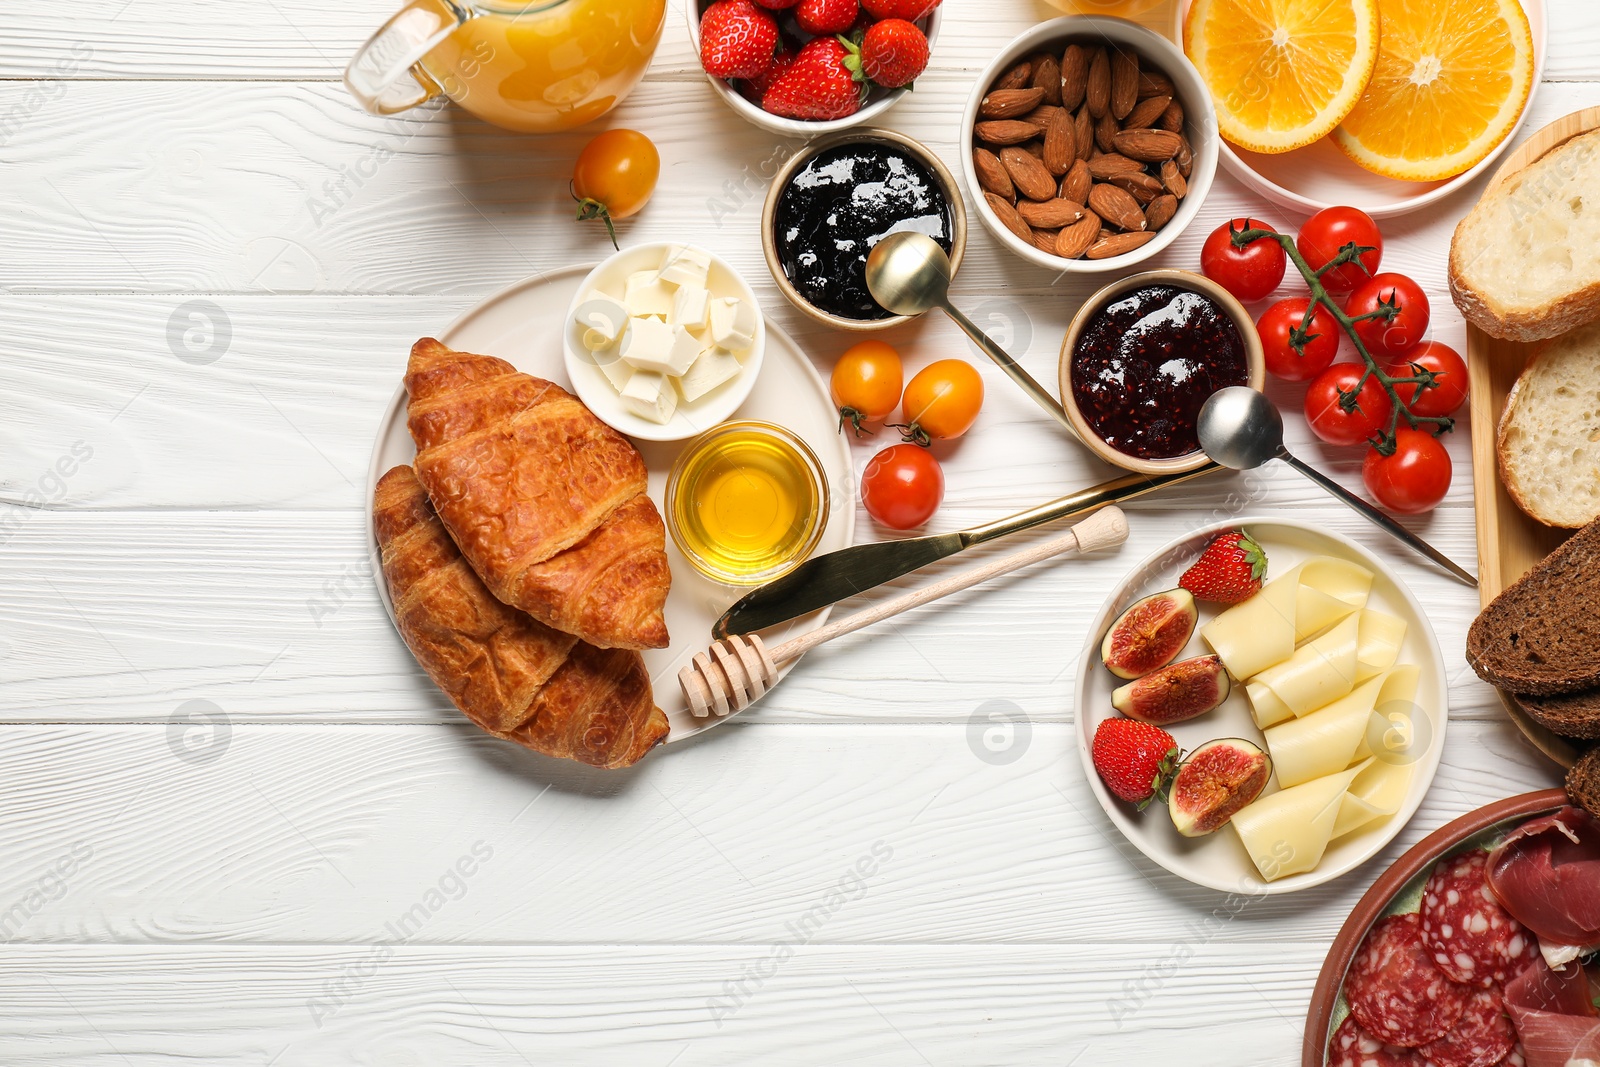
{"points": [[383, 75]]}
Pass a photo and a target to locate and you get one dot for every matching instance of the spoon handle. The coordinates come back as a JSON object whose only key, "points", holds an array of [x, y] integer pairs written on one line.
{"points": [[1372, 514], [1012, 368]]}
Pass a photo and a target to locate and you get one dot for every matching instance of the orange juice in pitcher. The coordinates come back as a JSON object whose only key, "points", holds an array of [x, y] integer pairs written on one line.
{"points": [[535, 67]]}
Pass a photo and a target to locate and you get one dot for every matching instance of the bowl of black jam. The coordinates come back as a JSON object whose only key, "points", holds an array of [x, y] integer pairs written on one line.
{"points": [[835, 200], [1143, 355]]}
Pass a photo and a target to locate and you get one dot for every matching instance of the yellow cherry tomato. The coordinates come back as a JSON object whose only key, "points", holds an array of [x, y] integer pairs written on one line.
{"points": [[942, 401], [614, 177], [866, 383]]}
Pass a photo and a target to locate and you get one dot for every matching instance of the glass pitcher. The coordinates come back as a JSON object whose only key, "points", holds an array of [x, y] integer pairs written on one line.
{"points": [[534, 67]]}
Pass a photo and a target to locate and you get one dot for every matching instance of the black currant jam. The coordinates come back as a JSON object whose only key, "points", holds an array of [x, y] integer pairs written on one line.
{"points": [[838, 206], [1146, 363]]}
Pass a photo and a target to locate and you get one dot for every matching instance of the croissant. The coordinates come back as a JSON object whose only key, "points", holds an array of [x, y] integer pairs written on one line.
{"points": [[509, 673], [546, 502]]}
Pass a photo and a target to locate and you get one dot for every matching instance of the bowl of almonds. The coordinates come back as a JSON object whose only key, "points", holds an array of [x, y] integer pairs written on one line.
{"points": [[1089, 144]]}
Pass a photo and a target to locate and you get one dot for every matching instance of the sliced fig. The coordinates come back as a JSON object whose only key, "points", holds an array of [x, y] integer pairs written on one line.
{"points": [[1150, 634], [1217, 779], [1175, 692]]}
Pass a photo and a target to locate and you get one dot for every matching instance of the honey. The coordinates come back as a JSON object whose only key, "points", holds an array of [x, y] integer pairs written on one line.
{"points": [[747, 502]]}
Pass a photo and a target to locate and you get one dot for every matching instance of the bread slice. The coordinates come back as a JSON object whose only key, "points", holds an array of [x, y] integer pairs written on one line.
{"points": [[1571, 715], [1549, 436], [1583, 782], [1541, 635], [1525, 262]]}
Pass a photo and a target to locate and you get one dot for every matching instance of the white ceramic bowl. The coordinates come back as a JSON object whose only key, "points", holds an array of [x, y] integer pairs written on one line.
{"points": [[595, 389], [1319, 175], [880, 101], [1200, 128]]}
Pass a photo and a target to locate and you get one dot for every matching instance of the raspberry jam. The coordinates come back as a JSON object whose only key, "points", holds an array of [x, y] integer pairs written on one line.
{"points": [[1146, 363], [838, 206]]}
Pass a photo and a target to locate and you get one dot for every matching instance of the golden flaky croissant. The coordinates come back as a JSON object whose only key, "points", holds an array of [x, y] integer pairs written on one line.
{"points": [[546, 502], [509, 673]]}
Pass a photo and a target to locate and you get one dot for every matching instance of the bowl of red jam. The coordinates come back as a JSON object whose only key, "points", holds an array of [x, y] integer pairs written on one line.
{"points": [[1143, 355], [831, 204]]}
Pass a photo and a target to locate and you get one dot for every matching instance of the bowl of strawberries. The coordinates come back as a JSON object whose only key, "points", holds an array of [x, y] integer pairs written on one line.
{"points": [[806, 67]]}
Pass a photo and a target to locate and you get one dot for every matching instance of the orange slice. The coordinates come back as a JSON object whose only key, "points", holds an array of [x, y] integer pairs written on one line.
{"points": [[1283, 73], [1452, 79]]}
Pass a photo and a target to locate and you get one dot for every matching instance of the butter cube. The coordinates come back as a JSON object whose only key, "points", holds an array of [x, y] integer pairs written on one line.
{"points": [[647, 340], [686, 266], [646, 294], [673, 358], [734, 323], [603, 319], [613, 366], [650, 396], [691, 308], [714, 367]]}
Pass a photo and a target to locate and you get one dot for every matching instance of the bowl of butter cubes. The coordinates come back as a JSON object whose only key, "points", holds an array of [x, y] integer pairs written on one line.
{"points": [[664, 341]]}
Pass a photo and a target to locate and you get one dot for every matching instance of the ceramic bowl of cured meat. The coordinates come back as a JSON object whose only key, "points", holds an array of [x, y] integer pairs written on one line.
{"points": [[1477, 948]]}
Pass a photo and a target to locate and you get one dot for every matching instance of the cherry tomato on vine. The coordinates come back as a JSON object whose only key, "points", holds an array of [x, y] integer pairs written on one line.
{"points": [[902, 486], [1392, 338], [1327, 416], [942, 401], [614, 177], [1415, 478], [1249, 273], [1448, 391], [1329, 230], [866, 383], [1319, 351]]}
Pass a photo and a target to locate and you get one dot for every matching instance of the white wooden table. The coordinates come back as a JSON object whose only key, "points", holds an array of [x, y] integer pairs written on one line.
{"points": [[226, 787]]}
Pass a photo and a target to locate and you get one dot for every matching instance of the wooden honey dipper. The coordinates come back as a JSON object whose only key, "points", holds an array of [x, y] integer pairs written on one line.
{"points": [[737, 671]]}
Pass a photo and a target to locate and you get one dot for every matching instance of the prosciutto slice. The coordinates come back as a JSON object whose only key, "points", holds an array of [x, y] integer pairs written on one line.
{"points": [[1547, 875], [1554, 1015]]}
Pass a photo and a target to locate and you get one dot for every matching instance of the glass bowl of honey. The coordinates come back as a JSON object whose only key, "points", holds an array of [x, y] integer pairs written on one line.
{"points": [[747, 502]]}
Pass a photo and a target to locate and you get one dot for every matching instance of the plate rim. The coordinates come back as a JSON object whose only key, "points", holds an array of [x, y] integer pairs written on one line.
{"points": [[1429, 763]]}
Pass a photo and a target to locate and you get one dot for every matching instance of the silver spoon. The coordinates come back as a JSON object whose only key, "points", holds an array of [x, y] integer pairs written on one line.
{"points": [[908, 274], [1242, 429]]}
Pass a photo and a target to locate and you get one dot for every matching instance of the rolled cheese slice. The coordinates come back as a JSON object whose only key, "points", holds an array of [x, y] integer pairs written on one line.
{"points": [[1264, 630], [1289, 831], [1379, 711], [1326, 668]]}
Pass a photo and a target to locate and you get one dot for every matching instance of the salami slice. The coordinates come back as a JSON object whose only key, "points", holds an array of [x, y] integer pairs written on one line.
{"points": [[1394, 989], [1482, 1037], [1352, 1046], [1470, 937]]}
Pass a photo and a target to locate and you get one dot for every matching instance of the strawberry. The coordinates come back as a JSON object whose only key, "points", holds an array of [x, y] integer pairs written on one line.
{"points": [[756, 88], [1228, 571], [893, 53], [1135, 760], [910, 10], [826, 16], [737, 39], [817, 86], [777, 5]]}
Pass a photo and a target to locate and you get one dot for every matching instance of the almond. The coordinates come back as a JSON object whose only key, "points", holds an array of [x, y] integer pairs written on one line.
{"points": [[1060, 143], [1045, 240], [1051, 214], [1105, 132], [1041, 115], [992, 174], [1112, 164], [1034, 148], [1160, 211], [1047, 77], [1118, 244], [1146, 112], [1140, 186], [1083, 124], [1124, 82], [1097, 90], [1008, 217], [1018, 77], [1172, 118], [1155, 83], [1029, 175], [1173, 180], [1184, 156], [1076, 185], [1117, 207], [1009, 103], [1005, 131], [1074, 240], [1147, 146], [1074, 75]]}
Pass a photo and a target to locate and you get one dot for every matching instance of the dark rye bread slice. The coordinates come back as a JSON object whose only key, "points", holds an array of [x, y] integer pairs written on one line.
{"points": [[1583, 783], [1571, 715], [1541, 635]]}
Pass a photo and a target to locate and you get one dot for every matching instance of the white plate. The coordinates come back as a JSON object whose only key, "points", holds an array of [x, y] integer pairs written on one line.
{"points": [[1219, 861], [523, 325], [1319, 175]]}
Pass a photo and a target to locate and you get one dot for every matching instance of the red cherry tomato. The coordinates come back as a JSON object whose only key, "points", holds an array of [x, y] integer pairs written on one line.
{"points": [[1327, 416], [1249, 273], [1392, 338], [902, 486], [1412, 480], [1448, 391], [1328, 231], [1318, 352]]}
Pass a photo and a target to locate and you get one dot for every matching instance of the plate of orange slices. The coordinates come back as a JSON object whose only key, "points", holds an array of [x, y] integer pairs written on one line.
{"points": [[1385, 105]]}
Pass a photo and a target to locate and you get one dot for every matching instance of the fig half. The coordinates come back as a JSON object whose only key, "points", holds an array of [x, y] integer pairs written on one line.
{"points": [[1150, 634], [1175, 692], [1217, 779]]}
